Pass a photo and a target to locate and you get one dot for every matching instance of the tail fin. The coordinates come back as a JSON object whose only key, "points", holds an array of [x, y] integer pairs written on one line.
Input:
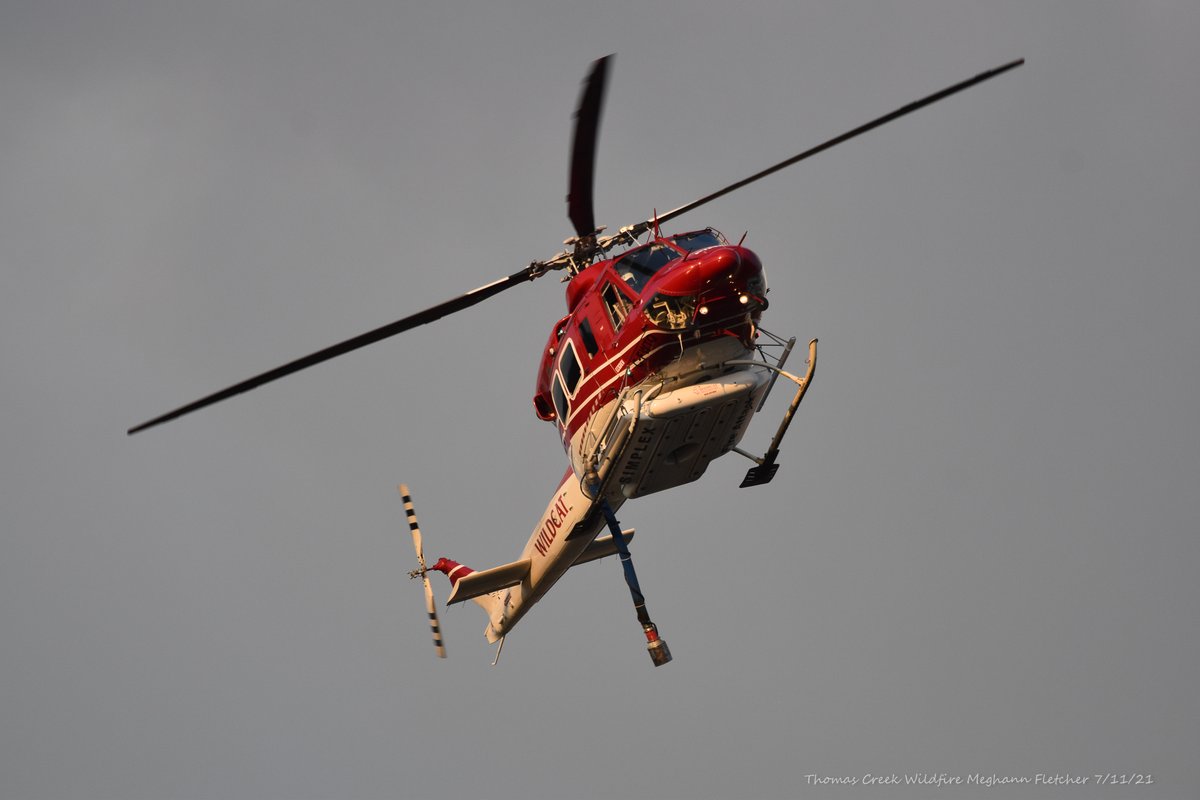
{"points": [[492, 602]]}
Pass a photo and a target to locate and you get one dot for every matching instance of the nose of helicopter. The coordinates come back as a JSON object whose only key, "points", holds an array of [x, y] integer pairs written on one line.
{"points": [[722, 270]]}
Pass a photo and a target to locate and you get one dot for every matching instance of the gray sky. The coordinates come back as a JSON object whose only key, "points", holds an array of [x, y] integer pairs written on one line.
{"points": [[978, 557]]}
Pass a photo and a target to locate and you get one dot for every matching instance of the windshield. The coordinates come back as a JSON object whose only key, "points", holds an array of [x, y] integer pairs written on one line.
{"points": [[637, 266], [698, 240]]}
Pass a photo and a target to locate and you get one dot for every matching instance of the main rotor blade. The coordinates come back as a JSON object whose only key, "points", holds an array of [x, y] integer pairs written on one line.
{"points": [[886, 118], [362, 340], [583, 149]]}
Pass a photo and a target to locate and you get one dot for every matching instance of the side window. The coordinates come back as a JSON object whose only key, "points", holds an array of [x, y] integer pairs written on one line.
{"points": [[568, 365], [560, 400], [618, 305], [589, 339]]}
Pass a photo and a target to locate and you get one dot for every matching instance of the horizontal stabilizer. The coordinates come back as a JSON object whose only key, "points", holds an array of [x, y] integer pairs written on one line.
{"points": [[489, 580], [601, 547]]}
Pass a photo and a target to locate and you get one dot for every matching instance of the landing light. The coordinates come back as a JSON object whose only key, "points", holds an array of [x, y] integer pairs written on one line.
{"points": [[743, 299], [703, 309]]}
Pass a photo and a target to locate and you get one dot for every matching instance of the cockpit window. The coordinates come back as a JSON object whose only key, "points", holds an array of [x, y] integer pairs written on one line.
{"points": [[698, 240], [638, 266], [671, 313]]}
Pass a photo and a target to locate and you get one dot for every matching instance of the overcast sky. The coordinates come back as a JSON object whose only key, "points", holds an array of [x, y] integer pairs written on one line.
{"points": [[978, 557]]}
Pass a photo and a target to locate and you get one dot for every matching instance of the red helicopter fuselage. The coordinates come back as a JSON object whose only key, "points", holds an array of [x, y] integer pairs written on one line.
{"points": [[657, 318], [650, 376]]}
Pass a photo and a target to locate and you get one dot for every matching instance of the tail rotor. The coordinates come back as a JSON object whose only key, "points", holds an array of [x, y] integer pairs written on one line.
{"points": [[422, 572]]}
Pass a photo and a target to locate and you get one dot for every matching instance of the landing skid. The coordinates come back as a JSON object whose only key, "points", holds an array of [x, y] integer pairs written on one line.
{"points": [[757, 476], [765, 467]]}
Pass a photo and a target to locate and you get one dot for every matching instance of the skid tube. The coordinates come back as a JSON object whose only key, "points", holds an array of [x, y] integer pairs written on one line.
{"points": [[765, 467]]}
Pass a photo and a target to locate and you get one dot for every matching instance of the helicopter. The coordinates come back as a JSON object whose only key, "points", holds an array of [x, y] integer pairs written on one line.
{"points": [[657, 368]]}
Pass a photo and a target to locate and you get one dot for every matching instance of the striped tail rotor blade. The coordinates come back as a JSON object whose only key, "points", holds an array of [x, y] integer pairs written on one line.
{"points": [[435, 626], [411, 513]]}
